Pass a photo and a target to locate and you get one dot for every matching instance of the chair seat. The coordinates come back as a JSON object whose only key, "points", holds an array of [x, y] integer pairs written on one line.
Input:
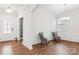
{"points": [[43, 39], [56, 38]]}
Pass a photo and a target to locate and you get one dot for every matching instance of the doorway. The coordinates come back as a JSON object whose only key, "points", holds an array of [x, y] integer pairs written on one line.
{"points": [[21, 29]]}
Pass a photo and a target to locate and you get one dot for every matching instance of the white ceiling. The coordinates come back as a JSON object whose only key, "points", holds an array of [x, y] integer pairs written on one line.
{"points": [[14, 7], [59, 8], [54, 8]]}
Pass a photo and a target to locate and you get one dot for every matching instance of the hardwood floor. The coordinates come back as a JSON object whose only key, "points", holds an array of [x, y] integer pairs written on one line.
{"points": [[62, 48]]}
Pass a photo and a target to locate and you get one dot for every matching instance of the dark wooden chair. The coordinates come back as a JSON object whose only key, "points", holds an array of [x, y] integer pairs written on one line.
{"points": [[56, 38], [43, 39]]}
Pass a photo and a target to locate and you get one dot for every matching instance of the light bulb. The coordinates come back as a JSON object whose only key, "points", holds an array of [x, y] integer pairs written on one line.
{"points": [[9, 11], [67, 18]]}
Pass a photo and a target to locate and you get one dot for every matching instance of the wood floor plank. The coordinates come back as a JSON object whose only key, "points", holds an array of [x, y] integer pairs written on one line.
{"points": [[62, 48]]}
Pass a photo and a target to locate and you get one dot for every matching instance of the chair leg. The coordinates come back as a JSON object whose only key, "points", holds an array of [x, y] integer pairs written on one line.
{"points": [[46, 43], [55, 40]]}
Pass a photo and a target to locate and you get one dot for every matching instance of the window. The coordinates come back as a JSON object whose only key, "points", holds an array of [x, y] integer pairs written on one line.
{"points": [[7, 27]]}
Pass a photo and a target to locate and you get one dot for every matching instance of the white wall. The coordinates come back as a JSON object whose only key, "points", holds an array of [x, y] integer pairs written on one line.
{"points": [[42, 21], [13, 19], [35, 22], [72, 26], [27, 39], [26, 14]]}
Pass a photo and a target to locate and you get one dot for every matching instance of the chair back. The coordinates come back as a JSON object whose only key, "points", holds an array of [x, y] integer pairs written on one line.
{"points": [[54, 34], [41, 35]]}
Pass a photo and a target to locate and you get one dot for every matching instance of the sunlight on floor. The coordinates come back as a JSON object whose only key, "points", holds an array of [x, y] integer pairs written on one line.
{"points": [[7, 50], [61, 49]]}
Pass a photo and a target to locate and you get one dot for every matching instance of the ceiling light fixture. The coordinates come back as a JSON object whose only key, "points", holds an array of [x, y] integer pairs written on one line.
{"points": [[8, 10], [65, 18]]}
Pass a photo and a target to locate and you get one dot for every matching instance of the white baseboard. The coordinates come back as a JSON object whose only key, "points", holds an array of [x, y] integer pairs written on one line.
{"points": [[73, 40], [27, 46]]}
